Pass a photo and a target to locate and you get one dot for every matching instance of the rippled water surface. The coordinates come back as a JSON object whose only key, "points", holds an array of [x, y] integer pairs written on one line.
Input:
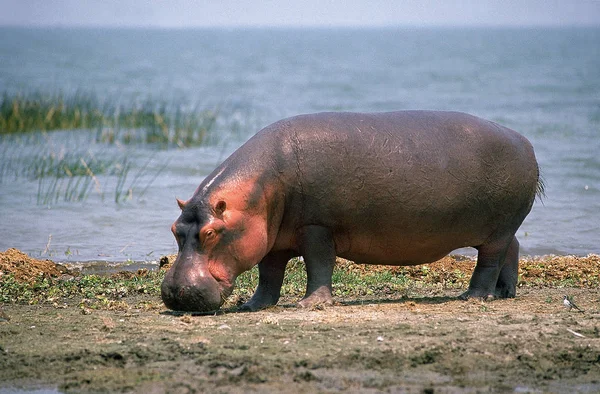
{"points": [[542, 83]]}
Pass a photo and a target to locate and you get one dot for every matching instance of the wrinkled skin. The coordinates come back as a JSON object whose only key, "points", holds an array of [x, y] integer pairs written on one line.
{"points": [[398, 188]]}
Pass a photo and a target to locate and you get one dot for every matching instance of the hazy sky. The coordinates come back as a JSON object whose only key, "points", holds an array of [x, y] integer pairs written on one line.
{"points": [[188, 13]]}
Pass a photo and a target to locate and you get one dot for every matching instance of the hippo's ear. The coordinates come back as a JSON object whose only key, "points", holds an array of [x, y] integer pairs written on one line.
{"points": [[181, 204], [220, 207]]}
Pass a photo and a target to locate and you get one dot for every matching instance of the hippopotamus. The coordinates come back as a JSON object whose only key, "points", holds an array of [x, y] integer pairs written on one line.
{"points": [[394, 188]]}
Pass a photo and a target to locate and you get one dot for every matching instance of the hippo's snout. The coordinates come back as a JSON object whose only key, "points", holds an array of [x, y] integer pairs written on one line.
{"points": [[198, 296]]}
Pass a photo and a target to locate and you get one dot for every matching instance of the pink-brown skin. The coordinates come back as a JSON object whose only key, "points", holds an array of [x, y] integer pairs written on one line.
{"points": [[396, 188]]}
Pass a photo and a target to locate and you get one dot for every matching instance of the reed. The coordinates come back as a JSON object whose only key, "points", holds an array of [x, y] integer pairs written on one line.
{"points": [[67, 164], [46, 112], [151, 121], [71, 177], [110, 178], [70, 172], [123, 193]]}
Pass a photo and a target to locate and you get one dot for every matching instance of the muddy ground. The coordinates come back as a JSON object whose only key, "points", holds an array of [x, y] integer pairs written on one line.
{"points": [[427, 341]]}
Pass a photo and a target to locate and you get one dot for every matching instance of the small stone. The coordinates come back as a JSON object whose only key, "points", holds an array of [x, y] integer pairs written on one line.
{"points": [[270, 320], [4, 317], [187, 319]]}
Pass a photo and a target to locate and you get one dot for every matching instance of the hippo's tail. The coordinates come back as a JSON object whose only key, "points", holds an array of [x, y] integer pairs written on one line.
{"points": [[540, 190]]}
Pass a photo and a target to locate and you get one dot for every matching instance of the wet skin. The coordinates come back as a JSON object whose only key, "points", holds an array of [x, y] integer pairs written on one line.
{"points": [[397, 188]]}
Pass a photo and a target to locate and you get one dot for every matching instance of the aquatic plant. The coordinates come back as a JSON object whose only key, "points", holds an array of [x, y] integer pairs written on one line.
{"points": [[159, 123], [92, 160], [67, 164], [123, 193], [68, 187], [38, 111], [73, 176], [151, 121]]}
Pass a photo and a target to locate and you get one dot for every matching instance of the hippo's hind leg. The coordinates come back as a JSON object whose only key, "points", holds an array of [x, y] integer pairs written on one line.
{"points": [[318, 249], [271, 270], [496, 271], [506, 286]]}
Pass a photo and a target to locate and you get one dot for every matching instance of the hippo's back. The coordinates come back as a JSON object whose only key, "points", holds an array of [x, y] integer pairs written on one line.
{"points": [[412, 183]]}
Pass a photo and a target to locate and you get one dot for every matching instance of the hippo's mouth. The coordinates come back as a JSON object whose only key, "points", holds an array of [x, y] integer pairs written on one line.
{"points": [[204, 296]]}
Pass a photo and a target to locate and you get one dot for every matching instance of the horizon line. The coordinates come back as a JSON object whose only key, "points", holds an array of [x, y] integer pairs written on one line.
{"points": [[300, 26]]}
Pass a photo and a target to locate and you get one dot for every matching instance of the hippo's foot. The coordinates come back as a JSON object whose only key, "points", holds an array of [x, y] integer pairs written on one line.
{"points": [[320, 297], [252, 307], [509, 291], [270, 277], [506, 286], [256, 304], [503, 270], [485, 296]]}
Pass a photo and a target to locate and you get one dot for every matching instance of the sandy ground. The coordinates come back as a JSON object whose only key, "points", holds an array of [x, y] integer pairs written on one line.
{"points": [[419, 344], [421, 341]]}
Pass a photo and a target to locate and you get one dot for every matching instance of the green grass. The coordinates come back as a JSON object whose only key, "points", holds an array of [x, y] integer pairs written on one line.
{"points": [[350, 281], [45, 289], [151, 121], [61, 164], [37, 111], [49, 290], [103, 291]]}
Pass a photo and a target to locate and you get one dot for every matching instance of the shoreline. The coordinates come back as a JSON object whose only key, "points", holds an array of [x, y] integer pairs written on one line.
{"points": [[15, 259], [133, 265], [107, 268]]}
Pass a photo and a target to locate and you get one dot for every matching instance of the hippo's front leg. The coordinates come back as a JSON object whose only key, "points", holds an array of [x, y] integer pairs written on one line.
{"points": [[271, 270], [318, 249]]}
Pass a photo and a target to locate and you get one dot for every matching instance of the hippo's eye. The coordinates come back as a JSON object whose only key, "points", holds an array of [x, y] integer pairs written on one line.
{"points": [[207, 235]]}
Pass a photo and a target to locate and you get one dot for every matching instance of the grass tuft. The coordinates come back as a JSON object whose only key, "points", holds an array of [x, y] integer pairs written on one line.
{"points": [[151, 121], [98, 289]]}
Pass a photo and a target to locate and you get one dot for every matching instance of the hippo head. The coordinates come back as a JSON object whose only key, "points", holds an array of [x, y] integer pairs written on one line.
{"points": [[217, 240]]}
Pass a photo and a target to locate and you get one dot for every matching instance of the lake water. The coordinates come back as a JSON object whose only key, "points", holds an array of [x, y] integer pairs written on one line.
{"points": [[544, 83]]}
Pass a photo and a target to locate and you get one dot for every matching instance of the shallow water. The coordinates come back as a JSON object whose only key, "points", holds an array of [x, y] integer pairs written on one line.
{"points": [[542, 83]]}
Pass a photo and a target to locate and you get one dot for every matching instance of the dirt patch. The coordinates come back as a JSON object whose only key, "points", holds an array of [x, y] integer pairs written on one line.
{"points": [[419, 344], [27, 269]]}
